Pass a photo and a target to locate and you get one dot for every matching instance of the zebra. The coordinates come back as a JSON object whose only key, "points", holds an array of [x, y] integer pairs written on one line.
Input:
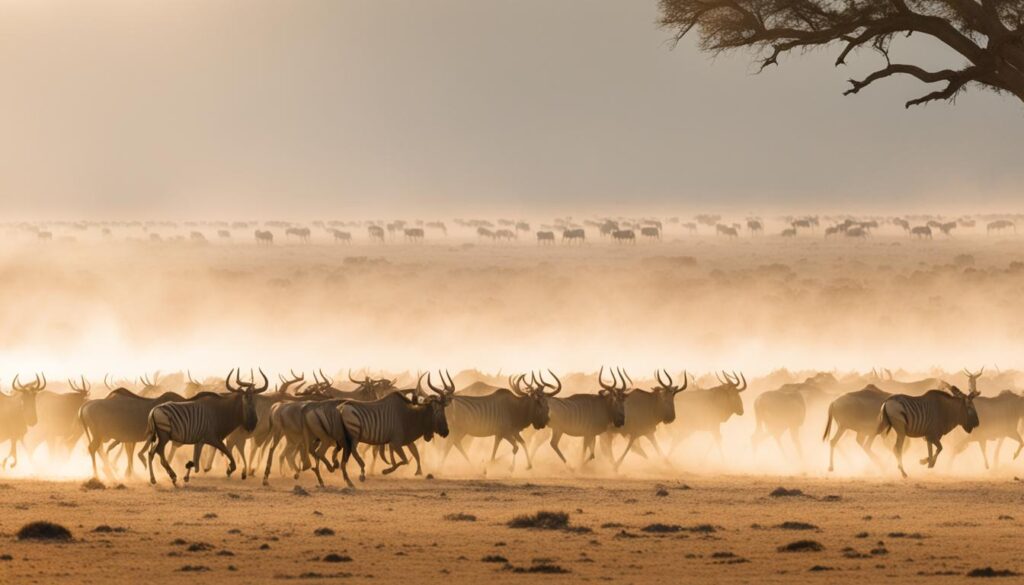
{"points": [[930, 416], [206, 419], [17, 414], [585, 415], [394, 421], [502, 414], [644, 411], [704, 410], [858, 412]]}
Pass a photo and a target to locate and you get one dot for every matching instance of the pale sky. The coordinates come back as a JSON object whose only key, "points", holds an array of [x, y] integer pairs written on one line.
{"points": [[307, 108]]}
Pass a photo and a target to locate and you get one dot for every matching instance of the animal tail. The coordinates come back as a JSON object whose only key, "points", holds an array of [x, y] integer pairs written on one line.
{"points": [[884, 424], [828, 424]]}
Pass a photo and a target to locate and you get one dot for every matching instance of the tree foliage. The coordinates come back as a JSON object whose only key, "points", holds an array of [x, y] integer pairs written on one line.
{"points": [[987, 34]]}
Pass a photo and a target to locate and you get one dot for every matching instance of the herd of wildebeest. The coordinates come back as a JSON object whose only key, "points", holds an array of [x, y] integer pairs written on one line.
{"points": [[302, 426], [566, 230]]}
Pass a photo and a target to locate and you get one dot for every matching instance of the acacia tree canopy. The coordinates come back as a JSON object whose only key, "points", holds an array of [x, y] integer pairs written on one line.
{"points": [[988, 34]]}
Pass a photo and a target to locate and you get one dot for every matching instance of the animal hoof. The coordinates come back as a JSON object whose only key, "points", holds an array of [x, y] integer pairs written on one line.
{"points": [[362, 477], [296, 476]]}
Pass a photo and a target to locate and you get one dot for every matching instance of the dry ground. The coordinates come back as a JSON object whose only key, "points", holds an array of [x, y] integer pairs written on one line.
{"points": [[398, 530]]}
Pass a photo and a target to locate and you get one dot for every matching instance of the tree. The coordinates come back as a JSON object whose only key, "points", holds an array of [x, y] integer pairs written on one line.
{"points": [[988, 34]]}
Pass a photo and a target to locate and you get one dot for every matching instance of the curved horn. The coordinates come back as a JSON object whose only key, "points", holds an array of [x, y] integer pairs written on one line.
{"points": [[450, 385], [625, 376], [720, 380], [744, 380], [600, 380], [106, 382], [86, 386], [669, 376], [516, 389], [15, 385], [227, 381], [686, 381], [419, 385], [353, 380], [266, 383], [430, 385], [36, 386], [557, 388], [327, 381], [657, 378]]}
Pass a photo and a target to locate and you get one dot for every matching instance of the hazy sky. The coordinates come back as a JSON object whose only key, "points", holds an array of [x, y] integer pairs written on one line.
{"points": [[306, 108]]}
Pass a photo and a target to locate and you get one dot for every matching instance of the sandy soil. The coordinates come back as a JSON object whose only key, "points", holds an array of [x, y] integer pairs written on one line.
{"points": [[399, 530]]}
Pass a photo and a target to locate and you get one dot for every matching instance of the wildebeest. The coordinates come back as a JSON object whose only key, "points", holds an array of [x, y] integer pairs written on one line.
{"points": [[522, 226], [502, 415], [947, 228], [504, 234], [223, 234], [930, 416], [1000, 418], [413, 234], [857, 232], [376, 233], [651, 232], [393, 421], [341, 236], [438, 225], [578, 235], [689, 226], [120, 417], [17, 414], [755, 226], [483, 232], [788, 233], [1000, 225], [726, 230], [545, 237], [204, 420], [302, 233], [706, 409], [644, 411], [777, 412], [624, 236], [264, 237], [585, 415], [921, 232], [58, 425], [858, 412]]}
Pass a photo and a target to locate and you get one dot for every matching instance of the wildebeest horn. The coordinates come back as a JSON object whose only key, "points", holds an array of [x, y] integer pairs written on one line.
{"points": [[227, 382], [419, 384], [266, 383], [105, 382], [686, 382], [888, 372], [449, 386], [717, 375], [189, 373], [327, 381], [744, 380], [557, 388], [515, 386], [36, 387], [600, 380], [430, 385], [350, 378], [625, 376]]}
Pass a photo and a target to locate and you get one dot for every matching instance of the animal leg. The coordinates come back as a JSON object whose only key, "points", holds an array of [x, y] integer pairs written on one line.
{"points": [[197, 453]]}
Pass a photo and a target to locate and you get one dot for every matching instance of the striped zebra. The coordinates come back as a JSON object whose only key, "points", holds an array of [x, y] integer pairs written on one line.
{"points": [[205, 420], [502, 414], [393, 421], [585, 415], [930, 416], [644, 412]]}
